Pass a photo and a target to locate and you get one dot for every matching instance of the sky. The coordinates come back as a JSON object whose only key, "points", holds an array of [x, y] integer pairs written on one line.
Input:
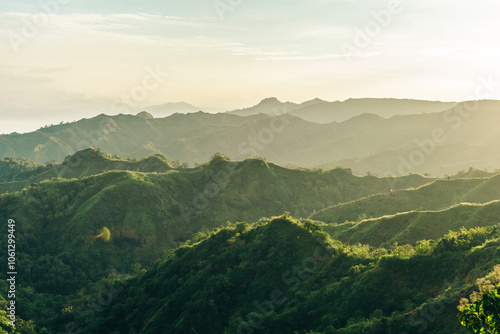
{"points": [[62, 60]]}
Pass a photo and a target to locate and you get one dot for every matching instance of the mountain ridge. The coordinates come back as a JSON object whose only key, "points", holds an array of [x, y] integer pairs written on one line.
{"points": [[427, 143], [321, 111]]}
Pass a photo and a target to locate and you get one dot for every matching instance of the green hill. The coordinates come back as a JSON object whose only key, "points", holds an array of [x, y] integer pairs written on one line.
{"points": [[152, 206], [148, 213], [16, 175], [437, 195], [440, 143], [410, 227], [285, 276]]}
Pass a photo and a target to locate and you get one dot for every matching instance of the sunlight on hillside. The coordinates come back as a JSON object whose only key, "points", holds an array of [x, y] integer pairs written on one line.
{"points": [[105, 234]]}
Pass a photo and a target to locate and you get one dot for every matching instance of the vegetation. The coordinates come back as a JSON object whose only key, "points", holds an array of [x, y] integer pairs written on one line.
{"points": [[16, 174], [288, 276], [410, 227], [363, 142], [438, 195], [113, 245], [482, 313]]}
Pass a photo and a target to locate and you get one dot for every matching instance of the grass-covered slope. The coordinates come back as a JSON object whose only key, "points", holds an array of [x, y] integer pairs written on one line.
{"points": [[148, 213], [437, 195], [410, 227], [18, 174], [286, 276]]}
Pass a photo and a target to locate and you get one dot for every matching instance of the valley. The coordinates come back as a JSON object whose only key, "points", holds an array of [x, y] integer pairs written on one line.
{"points": [[250, 245]]}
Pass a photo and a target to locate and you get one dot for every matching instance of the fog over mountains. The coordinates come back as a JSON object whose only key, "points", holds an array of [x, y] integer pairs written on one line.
{"points": [[320, 111], [425, 137], [201, 238]]}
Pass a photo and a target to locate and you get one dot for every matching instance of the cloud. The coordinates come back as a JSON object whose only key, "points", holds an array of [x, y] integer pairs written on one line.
{"points": [[261, 48], [317, 57], [139, 27], [15, 75]]}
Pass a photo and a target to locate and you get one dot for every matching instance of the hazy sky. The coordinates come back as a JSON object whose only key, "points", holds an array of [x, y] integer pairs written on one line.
{"points": [[87, 55]]}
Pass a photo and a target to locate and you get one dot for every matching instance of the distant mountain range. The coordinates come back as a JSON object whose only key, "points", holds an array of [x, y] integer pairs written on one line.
{"points": [[321, 111], [438, 143], [167, 109], [150, 244]]}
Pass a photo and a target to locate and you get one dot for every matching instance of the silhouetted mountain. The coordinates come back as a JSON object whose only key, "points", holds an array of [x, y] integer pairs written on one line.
{"points": [[321, 111], [438, 143], [339, 111], [269, 106], [167, 109]]}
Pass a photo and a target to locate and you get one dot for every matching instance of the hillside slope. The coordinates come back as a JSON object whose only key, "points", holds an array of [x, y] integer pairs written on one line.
{"points": [[438, 143], [286, 276], [148, 213], [437, 195], [16, 175], [321, 111], [446, 159], [90, 161], [410, 227]]}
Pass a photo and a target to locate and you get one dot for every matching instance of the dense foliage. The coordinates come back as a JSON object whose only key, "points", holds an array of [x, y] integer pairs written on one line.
{"points": [[481, 313], [434, 196], [286, 276], [107, 251]]}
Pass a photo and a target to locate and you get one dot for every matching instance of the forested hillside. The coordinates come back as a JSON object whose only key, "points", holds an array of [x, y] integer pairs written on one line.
{"points": [[148, 213], [286, 276], [437, 195], [437, 143], [97, 222]]}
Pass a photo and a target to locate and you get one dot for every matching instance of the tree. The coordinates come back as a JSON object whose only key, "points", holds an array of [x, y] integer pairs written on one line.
{"points": [[483, 314]]}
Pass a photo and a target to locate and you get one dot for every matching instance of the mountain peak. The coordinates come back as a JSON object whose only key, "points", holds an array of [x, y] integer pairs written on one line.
{"points": [[170, 108], [145, 114], [86, 155], [312, 102], [269, 100]]}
